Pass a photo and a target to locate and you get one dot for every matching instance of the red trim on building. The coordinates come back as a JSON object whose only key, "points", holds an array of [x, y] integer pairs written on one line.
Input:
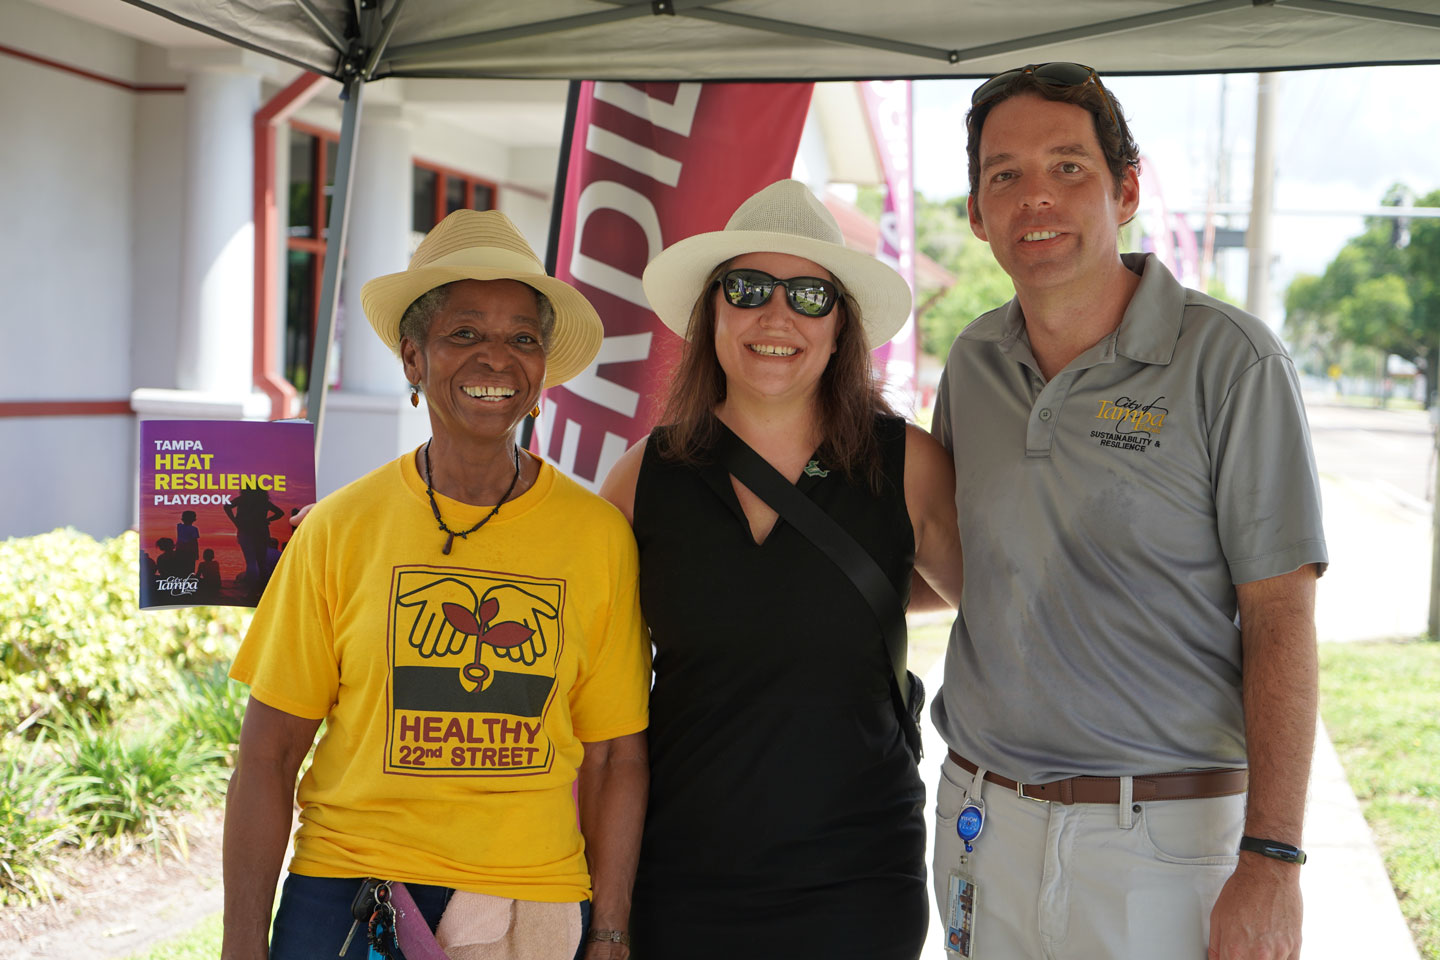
{"points": [[283, 396], [64, 408], [92, 75], [528, 191]]}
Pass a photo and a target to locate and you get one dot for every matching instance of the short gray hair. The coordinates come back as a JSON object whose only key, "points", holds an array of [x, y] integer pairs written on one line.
{"points": [[415, 321]]}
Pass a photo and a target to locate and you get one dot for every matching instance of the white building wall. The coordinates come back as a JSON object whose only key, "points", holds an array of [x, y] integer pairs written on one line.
{"points": [[93, 202], [465, 150], [67, 472], [159, 192], [65, 203], [66, 175], [532, 170]]}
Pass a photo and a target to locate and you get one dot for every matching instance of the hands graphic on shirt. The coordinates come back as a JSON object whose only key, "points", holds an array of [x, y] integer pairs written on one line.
{"points": [[508, 619]]}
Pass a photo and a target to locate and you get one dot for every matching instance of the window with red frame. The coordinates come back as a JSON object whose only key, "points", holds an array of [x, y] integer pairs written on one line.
{"points": [[439, 191], [312, 181]]}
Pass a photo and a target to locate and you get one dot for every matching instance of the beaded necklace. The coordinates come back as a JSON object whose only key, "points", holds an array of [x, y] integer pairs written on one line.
{"points": [[435, 507]]}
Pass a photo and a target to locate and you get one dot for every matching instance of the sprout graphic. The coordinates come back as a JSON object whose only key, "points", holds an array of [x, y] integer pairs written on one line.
{"points": [[501, 636]]}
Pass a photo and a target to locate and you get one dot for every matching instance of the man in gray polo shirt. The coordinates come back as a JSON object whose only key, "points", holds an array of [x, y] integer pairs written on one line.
{"points": [[1140, 514]]}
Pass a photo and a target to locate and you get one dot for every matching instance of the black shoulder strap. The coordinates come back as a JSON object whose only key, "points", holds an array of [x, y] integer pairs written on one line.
{"points": [[820, 528]]}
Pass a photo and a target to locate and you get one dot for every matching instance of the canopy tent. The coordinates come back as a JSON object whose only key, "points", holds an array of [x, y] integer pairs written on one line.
{"points": [[810, 40], [355, 41]]}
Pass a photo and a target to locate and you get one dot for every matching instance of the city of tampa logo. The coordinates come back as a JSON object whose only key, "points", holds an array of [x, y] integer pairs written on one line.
{"points": [[1134, 424]]}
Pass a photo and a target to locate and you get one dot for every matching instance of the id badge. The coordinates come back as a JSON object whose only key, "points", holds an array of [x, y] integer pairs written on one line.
{"points": [[960, 916]]}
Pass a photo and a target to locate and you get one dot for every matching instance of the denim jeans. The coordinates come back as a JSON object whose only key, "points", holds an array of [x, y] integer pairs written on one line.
{"points": [[314, 918]]}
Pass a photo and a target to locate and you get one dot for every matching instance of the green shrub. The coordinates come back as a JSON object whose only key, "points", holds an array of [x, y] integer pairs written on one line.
{"points": [[207, 710], [32, 827], [72, 633], [127, 787]]}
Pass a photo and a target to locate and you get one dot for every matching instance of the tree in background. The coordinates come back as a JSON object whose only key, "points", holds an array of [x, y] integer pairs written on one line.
{"points": [[1382, 291], [942, 233]]}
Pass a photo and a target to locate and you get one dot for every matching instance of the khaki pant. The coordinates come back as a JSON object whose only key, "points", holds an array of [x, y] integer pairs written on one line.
{"points": [[1087, 881]]}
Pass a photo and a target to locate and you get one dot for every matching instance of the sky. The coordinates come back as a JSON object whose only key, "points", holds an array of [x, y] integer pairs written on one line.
{"points": [[1343, 137]]}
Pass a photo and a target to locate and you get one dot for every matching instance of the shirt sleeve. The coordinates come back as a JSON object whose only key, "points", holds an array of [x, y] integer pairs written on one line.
{"points": [[1267, 490], [611, 696], [940, 424], [288, 655]]}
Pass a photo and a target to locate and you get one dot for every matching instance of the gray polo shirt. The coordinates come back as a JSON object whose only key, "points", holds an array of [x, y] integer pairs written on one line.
{"points": [[1106, 516]]}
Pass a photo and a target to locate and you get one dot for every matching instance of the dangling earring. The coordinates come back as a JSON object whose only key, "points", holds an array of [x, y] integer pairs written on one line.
{"points": [[535, 414], [414, 394]]}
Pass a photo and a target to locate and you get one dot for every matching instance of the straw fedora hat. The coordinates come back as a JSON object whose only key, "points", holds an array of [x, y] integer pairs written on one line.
{"points": [[785, 217], [485, 245]]}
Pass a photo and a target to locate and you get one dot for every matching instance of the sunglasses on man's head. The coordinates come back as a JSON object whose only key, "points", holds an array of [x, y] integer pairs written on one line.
{"points": [[809, 296], [1056, 74]]}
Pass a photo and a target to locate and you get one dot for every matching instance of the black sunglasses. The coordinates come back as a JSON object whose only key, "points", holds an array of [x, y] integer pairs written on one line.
{"points": [[809, 296], [1056, 74]]}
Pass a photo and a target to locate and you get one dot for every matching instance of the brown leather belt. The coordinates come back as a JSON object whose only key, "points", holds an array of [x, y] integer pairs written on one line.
{"points": [[1193, 785]]}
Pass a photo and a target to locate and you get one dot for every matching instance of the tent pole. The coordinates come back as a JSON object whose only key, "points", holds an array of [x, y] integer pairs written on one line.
{"points": [[557, 209], [387, 28], [334, 255], [562, 175]]}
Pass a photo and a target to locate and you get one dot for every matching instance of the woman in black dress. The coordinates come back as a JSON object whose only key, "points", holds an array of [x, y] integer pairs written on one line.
{"points": [[785, 815]]}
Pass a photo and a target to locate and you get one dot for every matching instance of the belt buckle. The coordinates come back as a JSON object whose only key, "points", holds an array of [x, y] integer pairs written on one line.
{"points": [[1020, 792]]}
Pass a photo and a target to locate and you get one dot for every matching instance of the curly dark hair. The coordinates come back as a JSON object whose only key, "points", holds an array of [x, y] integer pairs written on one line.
{"points": [[1120, 148]]}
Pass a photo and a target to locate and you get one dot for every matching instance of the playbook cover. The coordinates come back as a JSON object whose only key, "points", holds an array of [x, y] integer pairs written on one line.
{"points": [[216, 497]]}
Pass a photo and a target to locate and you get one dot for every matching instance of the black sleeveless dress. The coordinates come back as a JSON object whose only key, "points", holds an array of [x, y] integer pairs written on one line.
{"points": [[785, 815]]}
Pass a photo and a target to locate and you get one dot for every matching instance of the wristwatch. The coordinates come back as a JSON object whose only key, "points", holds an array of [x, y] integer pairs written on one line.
{"points": [[1274, 849], [610, 936]]}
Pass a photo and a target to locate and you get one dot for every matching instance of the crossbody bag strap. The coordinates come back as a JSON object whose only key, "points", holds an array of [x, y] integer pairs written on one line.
{"points": [[833, 541]]}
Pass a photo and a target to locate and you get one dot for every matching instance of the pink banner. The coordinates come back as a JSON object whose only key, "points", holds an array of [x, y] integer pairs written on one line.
{"points": [[650, 164], [888, 103]]}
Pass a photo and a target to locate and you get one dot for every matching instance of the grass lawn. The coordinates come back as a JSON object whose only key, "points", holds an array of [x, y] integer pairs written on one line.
{"points": [[1381, 705], [1363, 400], [201, 942], [928, 638]]}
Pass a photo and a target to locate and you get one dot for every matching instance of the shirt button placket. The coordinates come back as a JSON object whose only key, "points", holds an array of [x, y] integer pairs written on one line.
{"points": [[1040, 435]]}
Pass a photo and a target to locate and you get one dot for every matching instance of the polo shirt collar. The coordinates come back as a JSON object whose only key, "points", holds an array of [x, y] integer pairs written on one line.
{"points": [[1147, 333], [1151, 326]]}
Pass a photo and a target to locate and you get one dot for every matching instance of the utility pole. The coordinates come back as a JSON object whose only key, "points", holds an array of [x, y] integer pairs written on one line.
{"points": [[1433, 627], [1262, 199], [1218, 193]]}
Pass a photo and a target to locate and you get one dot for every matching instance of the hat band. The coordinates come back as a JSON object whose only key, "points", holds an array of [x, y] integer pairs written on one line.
{"points": [[491, 258], [815, 229]]}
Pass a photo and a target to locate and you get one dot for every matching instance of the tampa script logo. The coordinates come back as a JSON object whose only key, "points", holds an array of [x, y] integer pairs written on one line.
{"points": [[179, 586], [1134, 424]]}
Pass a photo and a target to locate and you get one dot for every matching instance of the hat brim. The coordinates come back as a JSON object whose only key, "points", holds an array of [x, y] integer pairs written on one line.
{"points": [[574, 343], [673, 279]]}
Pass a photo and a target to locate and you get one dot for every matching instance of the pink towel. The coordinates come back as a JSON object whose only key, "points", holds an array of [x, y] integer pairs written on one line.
{"points": [[477, 926], [532, 931]]}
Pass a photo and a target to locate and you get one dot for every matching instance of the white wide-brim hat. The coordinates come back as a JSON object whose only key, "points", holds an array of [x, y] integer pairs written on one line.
{"points": [[785, 217], [485, 245]]}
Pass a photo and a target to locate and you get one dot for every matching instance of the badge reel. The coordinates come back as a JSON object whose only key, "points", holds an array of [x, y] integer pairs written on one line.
{"points": [[964, 891], [970, 822]]}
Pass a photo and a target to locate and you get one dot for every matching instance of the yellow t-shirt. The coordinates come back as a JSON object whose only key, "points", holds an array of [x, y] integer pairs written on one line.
{"points": [[456, 690]]}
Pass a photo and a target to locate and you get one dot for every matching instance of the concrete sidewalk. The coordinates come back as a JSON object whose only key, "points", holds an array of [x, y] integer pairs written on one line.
{"points": [[1377, 587]]}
